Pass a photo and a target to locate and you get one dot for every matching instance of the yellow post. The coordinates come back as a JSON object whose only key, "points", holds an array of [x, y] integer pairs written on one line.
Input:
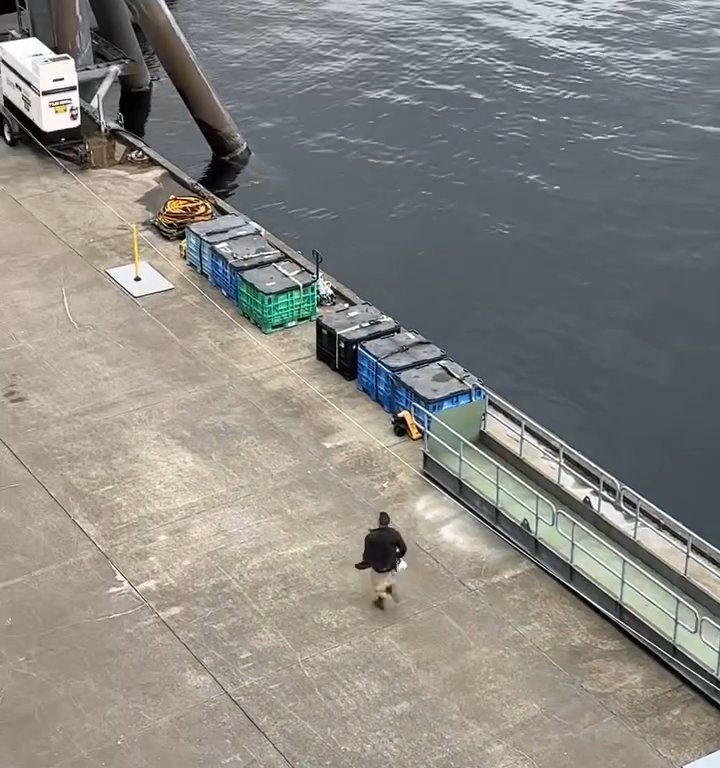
{"points": [[136, 253]]}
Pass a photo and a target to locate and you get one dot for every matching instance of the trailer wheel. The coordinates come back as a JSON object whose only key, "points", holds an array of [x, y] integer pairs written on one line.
{"points": [[9, 135]]}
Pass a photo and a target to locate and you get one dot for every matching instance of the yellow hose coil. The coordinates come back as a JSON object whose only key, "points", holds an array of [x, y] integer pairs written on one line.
{"points": [[179, 212]]}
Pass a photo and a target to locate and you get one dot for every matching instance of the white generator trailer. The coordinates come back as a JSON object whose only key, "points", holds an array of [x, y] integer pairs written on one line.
{"points": [[40, 95]]}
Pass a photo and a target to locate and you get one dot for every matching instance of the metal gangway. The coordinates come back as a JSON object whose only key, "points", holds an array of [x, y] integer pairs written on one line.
{"points": [[634, 563]]}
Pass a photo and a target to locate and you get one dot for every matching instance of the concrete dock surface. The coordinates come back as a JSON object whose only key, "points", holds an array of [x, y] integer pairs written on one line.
{"points": [[181, 503]]}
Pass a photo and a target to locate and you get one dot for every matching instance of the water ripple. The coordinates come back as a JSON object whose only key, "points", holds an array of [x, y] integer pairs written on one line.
{"points": [[542, 173]]}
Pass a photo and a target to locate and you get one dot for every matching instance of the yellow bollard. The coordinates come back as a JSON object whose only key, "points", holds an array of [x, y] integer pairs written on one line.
{"points": [[136, 253]]}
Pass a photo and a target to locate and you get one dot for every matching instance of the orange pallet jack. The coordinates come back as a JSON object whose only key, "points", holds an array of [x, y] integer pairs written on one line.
{"points": [[403, 424]]}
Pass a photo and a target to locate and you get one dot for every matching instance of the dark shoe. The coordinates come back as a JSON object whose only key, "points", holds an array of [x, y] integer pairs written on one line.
{"points": [[378, 602]]}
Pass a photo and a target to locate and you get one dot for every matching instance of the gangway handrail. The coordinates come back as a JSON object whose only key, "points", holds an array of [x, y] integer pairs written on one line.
{"points": [[550, 437], [560, 514], [624, 497]]}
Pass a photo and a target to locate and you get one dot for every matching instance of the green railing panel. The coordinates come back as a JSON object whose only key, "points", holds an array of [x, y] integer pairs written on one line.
{"points": [[465, 420], [442, 450]]}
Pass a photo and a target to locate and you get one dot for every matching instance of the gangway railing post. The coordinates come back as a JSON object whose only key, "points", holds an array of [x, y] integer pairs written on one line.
{"points": [[677, 622], [561, 459]]}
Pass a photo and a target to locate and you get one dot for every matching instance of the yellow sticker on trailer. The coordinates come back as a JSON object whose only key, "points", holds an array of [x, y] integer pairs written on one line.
{"points": [[60, 109]]}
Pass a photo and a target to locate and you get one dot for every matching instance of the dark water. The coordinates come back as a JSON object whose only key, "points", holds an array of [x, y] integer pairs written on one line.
{"points": [[531, 184]]}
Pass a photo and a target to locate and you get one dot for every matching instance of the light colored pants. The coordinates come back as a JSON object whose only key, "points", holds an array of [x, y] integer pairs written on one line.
{"points": [[379, 582]]}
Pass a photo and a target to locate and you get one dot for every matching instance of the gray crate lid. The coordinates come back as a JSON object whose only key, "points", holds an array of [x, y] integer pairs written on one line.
{"points": [[279, 277], [244, 246], [355, 321], [248, 250], [220, 237], [224, 224], [437, 381], [406, 349]]}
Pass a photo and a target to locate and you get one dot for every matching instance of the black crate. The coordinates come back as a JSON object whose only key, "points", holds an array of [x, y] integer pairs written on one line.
{"points": [[339, 333]]}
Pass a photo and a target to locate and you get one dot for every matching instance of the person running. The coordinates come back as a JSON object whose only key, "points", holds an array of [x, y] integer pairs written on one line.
{"points": [[384, 549]]}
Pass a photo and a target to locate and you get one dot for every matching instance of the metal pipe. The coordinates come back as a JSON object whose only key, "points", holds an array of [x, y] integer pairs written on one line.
{"points": [[115, 25], [99, 99], [71, 26], [176, 56], [134, 110], [40, 18]]}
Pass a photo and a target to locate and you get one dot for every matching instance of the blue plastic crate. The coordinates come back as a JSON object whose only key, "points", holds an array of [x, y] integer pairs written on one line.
{"points": [[222, 278], [200, 238], [205, 259], [380, 360], [192, 250], [238, 254], [197, 255], [436, 387], [216, 276]]}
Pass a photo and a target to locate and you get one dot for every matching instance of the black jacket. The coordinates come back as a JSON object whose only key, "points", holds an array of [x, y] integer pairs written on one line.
{"points": [[383, 548]]}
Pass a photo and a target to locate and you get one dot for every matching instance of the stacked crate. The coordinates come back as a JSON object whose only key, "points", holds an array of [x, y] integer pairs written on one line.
{"points": [[435, 387], [238, 254], [339, 333], [277, 296], [216, 271], [200, 238], [379, 362]]}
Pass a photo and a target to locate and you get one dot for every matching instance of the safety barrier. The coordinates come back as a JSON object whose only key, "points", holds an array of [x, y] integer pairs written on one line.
{"points": [[671, 614]]}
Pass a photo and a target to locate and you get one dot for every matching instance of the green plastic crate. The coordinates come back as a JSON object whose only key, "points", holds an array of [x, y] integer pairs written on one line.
{"points": [[277, 295]]}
